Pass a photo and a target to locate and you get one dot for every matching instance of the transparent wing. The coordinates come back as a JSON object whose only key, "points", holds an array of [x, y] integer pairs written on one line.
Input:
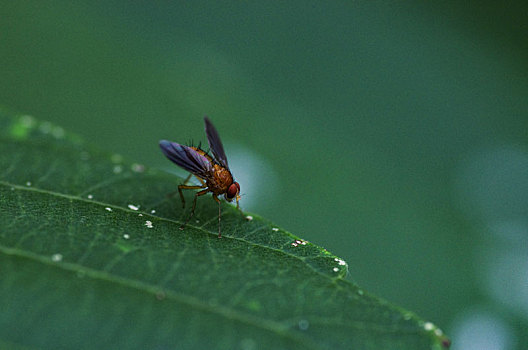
{"points": [[215, 143], [186, 157]]}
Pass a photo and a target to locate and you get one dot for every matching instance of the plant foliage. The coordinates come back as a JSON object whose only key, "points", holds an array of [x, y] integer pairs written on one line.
{"points": [[91, 255]]}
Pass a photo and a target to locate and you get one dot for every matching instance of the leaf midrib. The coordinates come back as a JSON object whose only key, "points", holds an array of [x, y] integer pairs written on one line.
{"points": [[265, 324], [257, 322], [198, 228]]}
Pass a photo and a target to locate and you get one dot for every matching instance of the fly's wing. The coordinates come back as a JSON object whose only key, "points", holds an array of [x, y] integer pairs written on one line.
{"points": [[215, 144], [187, 158]]}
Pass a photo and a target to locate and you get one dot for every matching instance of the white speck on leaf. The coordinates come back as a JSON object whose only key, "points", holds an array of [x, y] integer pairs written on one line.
{"points": [[126, 236], [297, 242], [56, 257], [148, 224], [138, 168], [108, 209], [90, 196], [275, 229], [133, 207], [428, 326], [28, 183]]}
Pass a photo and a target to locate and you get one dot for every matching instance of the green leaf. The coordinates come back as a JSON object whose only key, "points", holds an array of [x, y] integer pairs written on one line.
{"points": [[80, 267]]}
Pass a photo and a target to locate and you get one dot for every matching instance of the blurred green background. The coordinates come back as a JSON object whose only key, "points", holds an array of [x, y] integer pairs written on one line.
{"points": [[393, 134]]}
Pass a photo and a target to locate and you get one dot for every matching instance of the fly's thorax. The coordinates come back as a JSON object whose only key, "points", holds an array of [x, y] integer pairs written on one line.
{"points": [[221, 180]]}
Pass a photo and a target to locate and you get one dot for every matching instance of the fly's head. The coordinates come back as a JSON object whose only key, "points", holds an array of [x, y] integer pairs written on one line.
{"points": [[232, 192]]}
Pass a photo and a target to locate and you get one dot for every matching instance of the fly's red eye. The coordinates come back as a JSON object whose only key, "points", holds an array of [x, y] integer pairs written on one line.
{"points": [[233, 190]]}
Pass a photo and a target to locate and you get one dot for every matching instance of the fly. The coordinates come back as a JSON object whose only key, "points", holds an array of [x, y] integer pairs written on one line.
{"points": [[212, 171]]}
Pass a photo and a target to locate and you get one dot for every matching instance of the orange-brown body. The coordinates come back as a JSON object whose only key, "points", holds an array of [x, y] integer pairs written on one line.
{"points": [[212, 170], [220, 178], [220, 181]]}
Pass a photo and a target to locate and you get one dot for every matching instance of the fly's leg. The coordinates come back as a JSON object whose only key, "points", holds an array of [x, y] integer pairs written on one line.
{"points": [[170, 195], [219, 215], [183, 186], [196, 195], [200, 179], [180, 187], [187, 179], [238, 206]]}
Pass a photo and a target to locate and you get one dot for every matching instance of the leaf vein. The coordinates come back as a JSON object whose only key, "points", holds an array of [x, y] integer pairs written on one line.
{"points": [[146, 214], [272, 326]]}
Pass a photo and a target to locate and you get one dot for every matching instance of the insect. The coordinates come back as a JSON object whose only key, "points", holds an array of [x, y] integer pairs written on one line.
{"points": [[212, 171]]}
